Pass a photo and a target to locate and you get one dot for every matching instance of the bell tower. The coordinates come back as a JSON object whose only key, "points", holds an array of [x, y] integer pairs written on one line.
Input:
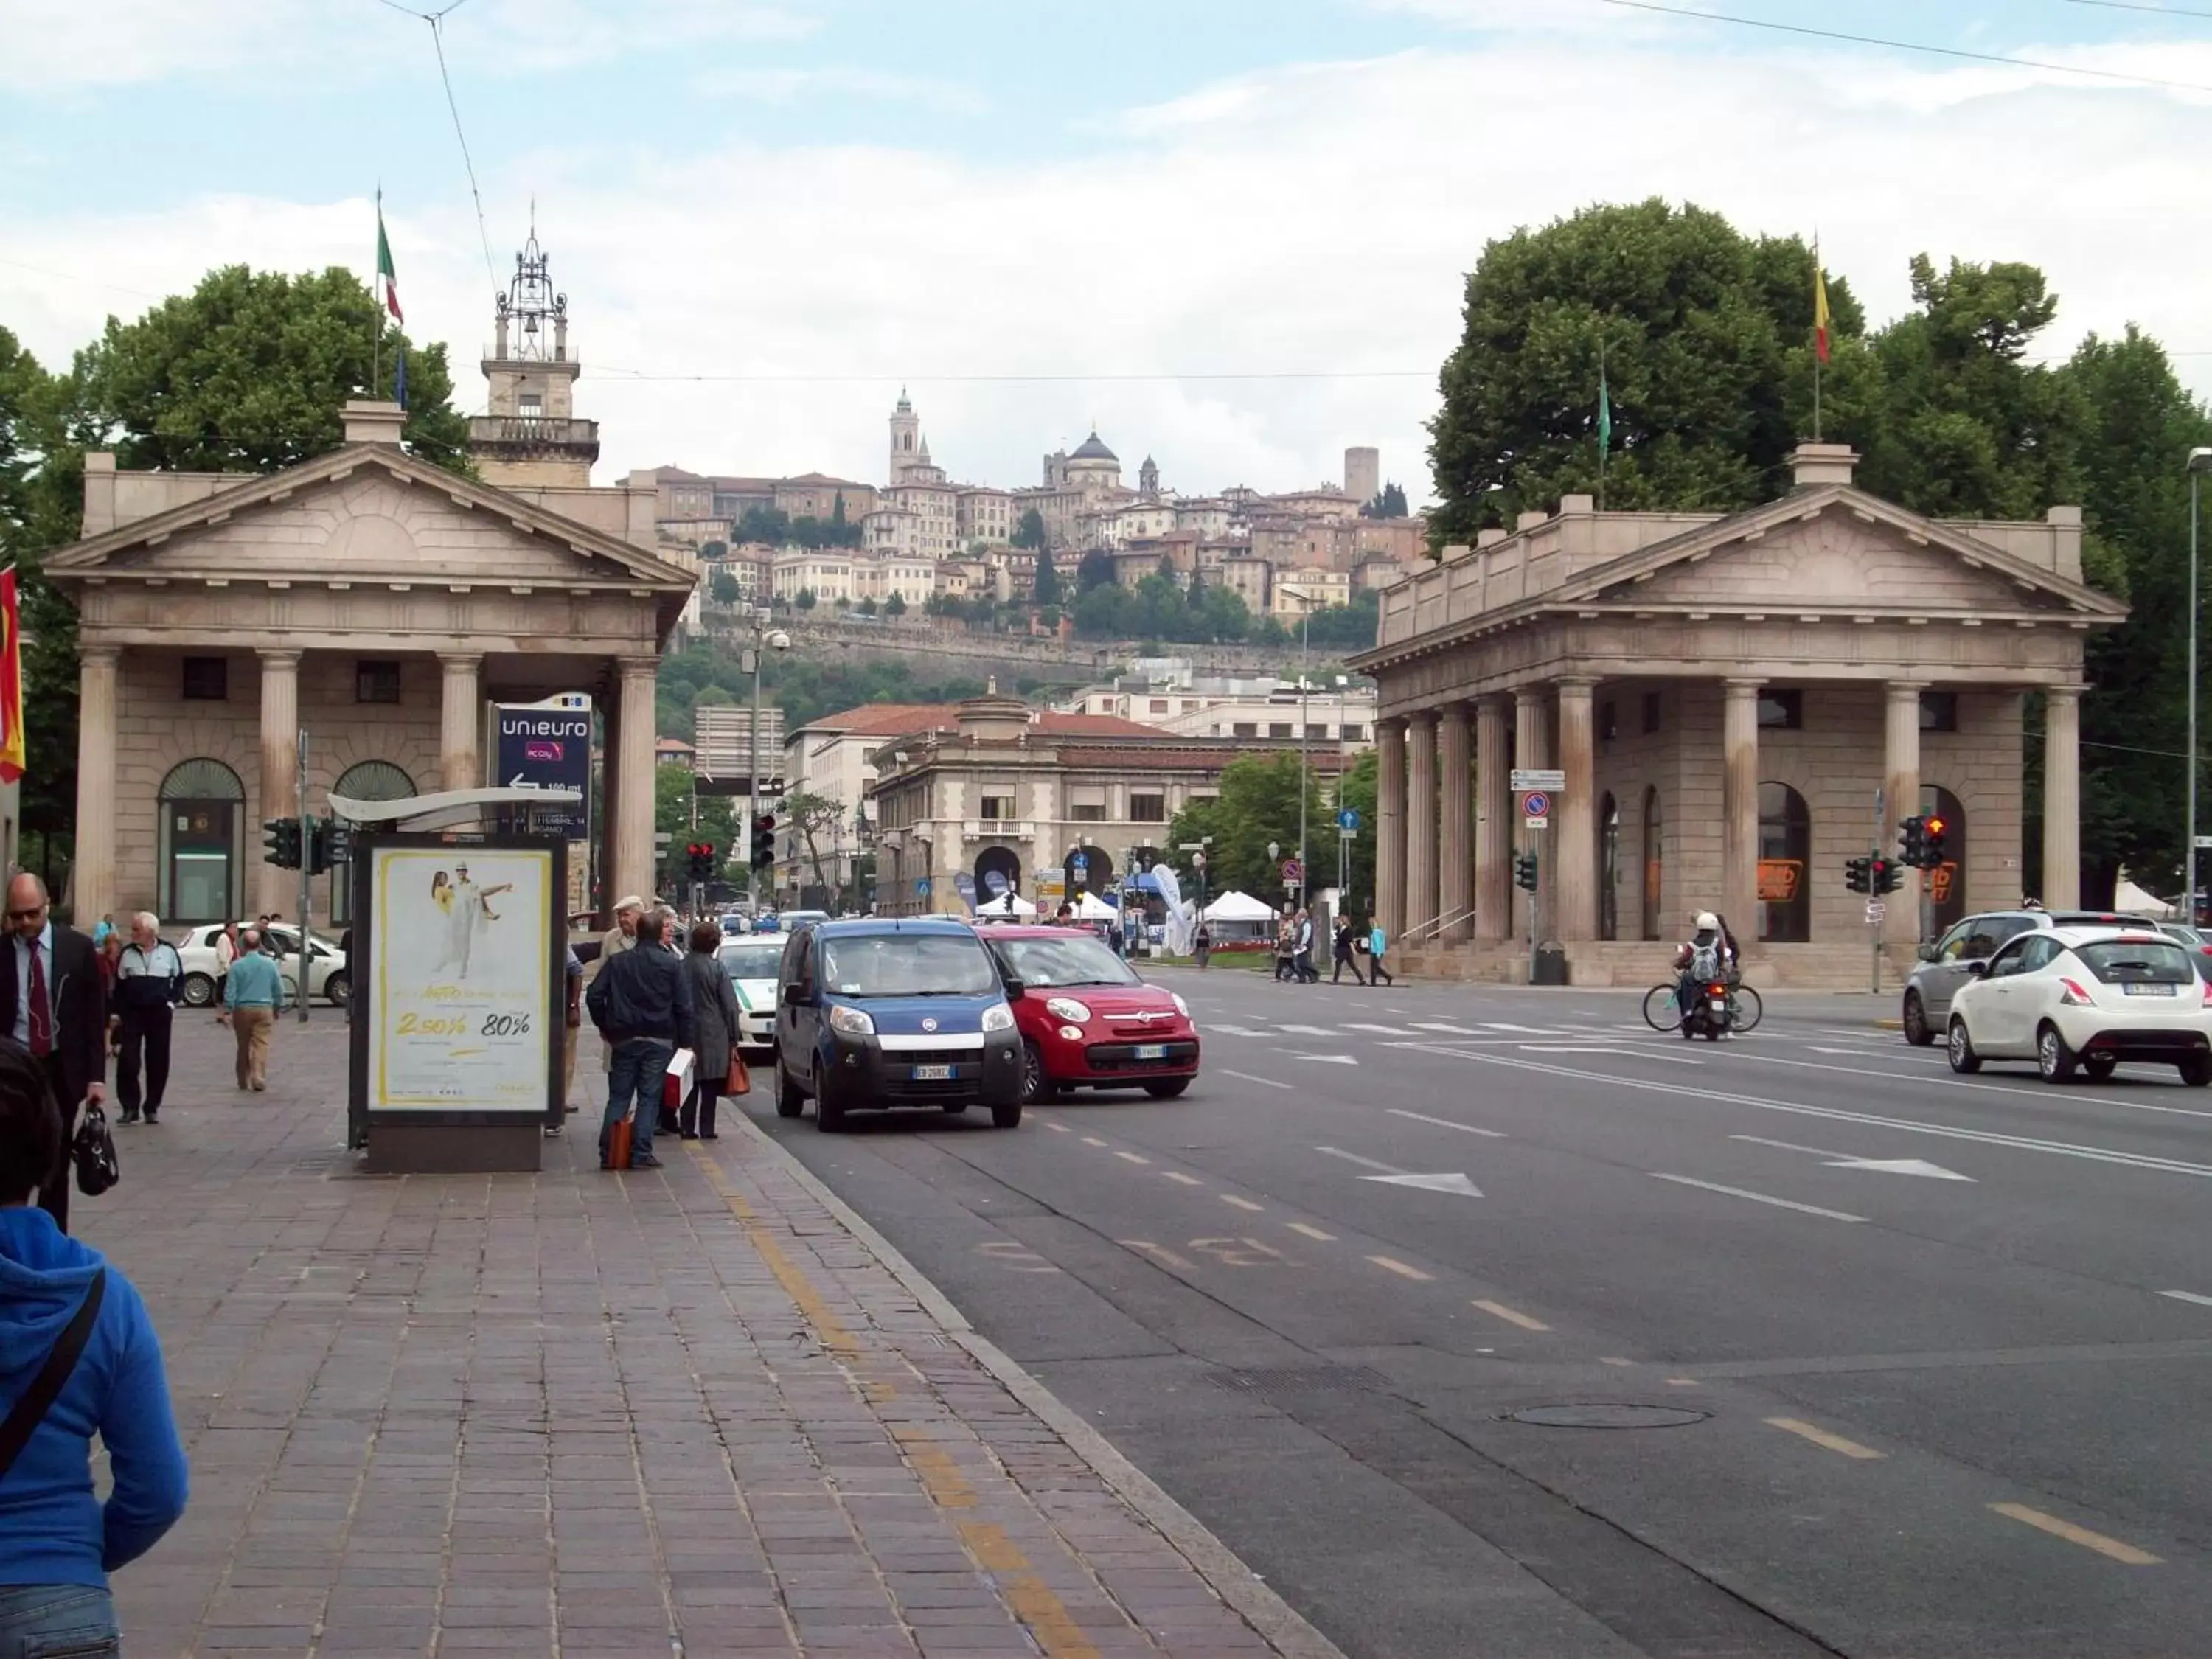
{"points": [[907, 449], [532, 434]]}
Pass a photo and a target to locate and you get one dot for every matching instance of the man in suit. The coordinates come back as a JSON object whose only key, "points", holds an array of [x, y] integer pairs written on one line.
{"points": [[53, 997]]}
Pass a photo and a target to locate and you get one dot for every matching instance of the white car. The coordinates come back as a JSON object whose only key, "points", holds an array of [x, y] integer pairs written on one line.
{"points": [[752, 961], [326, 977], [2086, 997]]}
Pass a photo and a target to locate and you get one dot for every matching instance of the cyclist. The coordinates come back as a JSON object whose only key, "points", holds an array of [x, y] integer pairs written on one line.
{"points": [[1707, 955]]}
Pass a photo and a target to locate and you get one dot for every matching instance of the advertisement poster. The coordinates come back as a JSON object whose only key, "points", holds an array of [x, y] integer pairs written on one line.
{"points": [[458, 991], [546, 745]]}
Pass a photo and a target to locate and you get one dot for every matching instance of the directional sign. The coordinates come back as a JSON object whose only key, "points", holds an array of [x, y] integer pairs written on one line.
{"points": [[922, 887], [1524, 778], [1348, 819], [1876, 911], [1536, 804]]}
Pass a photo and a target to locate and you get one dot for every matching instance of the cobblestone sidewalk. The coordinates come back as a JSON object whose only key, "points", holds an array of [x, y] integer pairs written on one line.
{"points": [[686, 1412]]}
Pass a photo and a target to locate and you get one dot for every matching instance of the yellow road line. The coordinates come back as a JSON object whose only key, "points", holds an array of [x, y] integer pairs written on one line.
{"points": [[2111, 1548], [1512, 1317], [827, 1326], [1131, 1157], [1311, 1232], [1241, 1203], [1392, 1265], [1819, 1436], [1178, 1176], [1031, 1599]]}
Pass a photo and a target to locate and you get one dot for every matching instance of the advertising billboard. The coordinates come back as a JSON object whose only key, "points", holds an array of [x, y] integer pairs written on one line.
{"points": [[546, 745]]}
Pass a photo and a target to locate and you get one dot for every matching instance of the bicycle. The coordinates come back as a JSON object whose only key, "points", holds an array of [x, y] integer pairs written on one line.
{"points": [[1663, 1012]]}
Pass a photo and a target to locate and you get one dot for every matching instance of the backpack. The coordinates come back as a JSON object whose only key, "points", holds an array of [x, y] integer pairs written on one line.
{"points": [[1705, 961]]}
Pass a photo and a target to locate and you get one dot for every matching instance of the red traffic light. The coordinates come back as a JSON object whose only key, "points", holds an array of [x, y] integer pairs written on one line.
{"points": [[1934, 826]]}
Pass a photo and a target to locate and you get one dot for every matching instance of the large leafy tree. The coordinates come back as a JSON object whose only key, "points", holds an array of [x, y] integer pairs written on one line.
{"points": [[1258, 804]]}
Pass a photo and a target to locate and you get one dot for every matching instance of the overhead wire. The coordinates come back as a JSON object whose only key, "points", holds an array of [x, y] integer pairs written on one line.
{"points": [[437, 20], [2141, 5]]}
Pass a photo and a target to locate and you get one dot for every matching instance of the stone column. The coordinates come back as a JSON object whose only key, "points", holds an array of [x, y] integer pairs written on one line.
{"points": [[92, 889], [1421, 825], [1456, 879], [1390, 828], [1531, 750], [632, 808], [280, 769], [610, 831], [1901, 783], [1739, 811], [2062, 797], [1575, 815], [1493, 828], [460, 724]]}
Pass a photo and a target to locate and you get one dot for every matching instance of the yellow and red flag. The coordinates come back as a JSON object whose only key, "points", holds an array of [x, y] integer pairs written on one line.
{"points": [[11, 679], [1819, 308]]}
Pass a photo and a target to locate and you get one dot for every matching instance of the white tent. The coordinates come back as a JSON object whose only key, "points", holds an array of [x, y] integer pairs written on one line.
{"points": [[1089, 907], [2127, 896], [1007, 904], [1233, 906]]}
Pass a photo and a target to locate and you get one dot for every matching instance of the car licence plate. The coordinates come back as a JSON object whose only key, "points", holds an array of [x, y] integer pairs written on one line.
{"points": [[2147, 990], [1152, 1051], [933, 1074]]}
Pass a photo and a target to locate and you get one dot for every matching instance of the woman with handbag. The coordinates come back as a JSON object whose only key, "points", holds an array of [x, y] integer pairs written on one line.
{"points": [[78, 1356], [719, 1064]]}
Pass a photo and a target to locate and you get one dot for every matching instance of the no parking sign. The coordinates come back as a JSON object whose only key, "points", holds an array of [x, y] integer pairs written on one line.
{"points": [[1536, 808]]}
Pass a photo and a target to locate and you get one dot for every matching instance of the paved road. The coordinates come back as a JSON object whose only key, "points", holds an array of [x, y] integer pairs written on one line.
{"points": [[1936, 1349]]}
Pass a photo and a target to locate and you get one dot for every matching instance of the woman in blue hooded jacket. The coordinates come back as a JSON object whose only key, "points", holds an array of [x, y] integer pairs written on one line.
{"points": [[58, 1542]]}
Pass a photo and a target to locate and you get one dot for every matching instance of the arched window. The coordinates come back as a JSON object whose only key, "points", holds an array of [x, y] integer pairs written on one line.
{"points": [[1947, 882], [1654, 870], [373, 780], [1785, 851], [200, 856], [1609, 868]]}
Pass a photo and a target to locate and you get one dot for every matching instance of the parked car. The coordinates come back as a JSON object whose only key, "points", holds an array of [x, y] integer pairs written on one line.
{"points": [[2196, 941], [751, 962], [1967, 945], [871, 1015], [793, 920], [2086, 997], [1087, 1021], [327, 968]]}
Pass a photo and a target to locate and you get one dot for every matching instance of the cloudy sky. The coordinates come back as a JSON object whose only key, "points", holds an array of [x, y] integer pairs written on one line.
{"points": [[1231, 233]]}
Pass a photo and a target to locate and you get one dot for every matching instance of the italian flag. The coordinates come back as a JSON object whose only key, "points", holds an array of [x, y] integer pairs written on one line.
{"points": [[387, 284], [1819, 308]]}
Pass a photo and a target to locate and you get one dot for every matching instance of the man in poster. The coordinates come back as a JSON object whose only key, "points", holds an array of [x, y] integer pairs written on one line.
{"points": [[471, 914]]}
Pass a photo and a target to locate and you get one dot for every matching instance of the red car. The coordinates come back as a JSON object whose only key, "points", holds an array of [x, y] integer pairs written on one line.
{"points": [[1086, 1021]]}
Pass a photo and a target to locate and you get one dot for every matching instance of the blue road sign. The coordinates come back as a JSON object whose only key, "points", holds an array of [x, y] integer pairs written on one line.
{"points": [[922, 887], [1348, 819]]}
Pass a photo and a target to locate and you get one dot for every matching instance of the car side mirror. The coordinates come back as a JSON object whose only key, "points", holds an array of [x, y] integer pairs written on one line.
{"points": [[1930, 953], [1014, 989], [794, 995], [1979, 970]]}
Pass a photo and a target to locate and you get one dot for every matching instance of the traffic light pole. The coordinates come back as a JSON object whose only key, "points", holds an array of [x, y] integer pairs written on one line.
{"points": [[306, 880], [1873, 927]]}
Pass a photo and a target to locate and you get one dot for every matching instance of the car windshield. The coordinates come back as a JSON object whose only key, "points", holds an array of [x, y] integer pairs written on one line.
{"points": [[750, 961], [2140, 961], [907, 965], [1060, 962]]}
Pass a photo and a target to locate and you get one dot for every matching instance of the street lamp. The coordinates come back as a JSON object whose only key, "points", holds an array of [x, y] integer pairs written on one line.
{"points": [[765, 639], [2199, 460]]}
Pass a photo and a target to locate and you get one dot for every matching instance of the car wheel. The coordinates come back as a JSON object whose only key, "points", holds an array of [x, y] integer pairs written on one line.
{"points": [[1916, 1021], [1037, 1085], [789, 1102], [1006, 1117], [199, 990], [2099, 1070], [2196, 1071], [1167, 1088], [338, 988], [2052, 1057], [1959, 1048], [829, 1112]]}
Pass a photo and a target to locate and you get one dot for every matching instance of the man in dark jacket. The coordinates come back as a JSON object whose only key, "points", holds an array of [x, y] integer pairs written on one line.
{"points": [[149, 977], [643, 1010], [55, 1003]]}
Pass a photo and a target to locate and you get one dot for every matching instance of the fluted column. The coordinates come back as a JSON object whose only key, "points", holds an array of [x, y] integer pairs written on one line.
{"points": [[1530, 751], [280, 767], [460, 721], [1455, 782], [1739, 808], [2062, 797], [1421, 822], [1900, 773], [610, 829], [1390, 827], [1574, 826], [632, 807], [1493, 828], [92, 890]]}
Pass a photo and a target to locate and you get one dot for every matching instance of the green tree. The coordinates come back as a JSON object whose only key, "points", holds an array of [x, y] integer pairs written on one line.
{"points": [[1389, 502], [674, 815], [1096, 570], [807, 599], [41, 502], [1258, 804], [1355, 789], [895, 606], [867, 607], [711, 551], [1029, 532], [837, 511], [1106, 612], [1046, 590], [723, 586], [816, 821], [768, 524]]}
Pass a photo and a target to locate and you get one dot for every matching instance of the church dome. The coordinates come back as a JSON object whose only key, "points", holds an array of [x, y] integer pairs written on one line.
{"points": [[1091, 450]]}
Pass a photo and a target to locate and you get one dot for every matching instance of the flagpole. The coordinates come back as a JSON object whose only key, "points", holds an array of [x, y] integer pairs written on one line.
{"points": [[376, 312], [1816, 348], [1602, 445]]}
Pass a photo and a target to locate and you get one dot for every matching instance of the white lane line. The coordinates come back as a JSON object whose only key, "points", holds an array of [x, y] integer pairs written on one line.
{"points": [[1061, 1127], [1601, 1049], [1789, 1146], [1446, 1123], [1985, 1088], [1092, 1140], [1391, 1264], [1512, 1315], [2188, 1296], [1180, 1179], [1247, 1077], [1364, 1163], [1503, 1025], [1308, 1030], [1241, 1203], [1758, 1198], [1232, 1031], [1379, 1030], [1131, 1157], [1311, 1232]]}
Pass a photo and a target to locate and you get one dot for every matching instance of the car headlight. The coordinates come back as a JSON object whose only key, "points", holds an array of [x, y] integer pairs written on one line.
{"points": [[998, 1017], [851, 1022], [1069, 1009], [1182, 1007]]}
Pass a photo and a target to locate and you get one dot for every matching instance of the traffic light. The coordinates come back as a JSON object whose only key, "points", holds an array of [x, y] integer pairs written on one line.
{"points": [[764, 841], [699, 860], [337, 843], [315, 836], [1525, 872], [280, 839], [1912, 836], [1857, 875], [1931, 842], [1888, 875]]}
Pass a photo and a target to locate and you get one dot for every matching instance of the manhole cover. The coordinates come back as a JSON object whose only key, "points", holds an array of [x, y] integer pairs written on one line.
{"points": [[1607, 1417]]}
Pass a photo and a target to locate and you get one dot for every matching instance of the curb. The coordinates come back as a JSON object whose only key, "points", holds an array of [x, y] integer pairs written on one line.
{"points": [[1236, 1585]]}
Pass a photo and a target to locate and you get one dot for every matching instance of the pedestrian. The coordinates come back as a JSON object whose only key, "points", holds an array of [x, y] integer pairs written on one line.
{"points": [[572, 973], [1378, 974], [251, 998], [622, 936], [226, 952], [1285, 933], [1202, 942], [50, 984], [642, 1005], [80, 1355], [149, 978], [669, 1122], [720, 1031], [1302, 950], [1343, 952], [111, 952]]}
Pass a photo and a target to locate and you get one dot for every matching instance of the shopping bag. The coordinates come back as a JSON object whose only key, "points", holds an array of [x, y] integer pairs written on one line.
{"points": [[739, 1081], [676, 1081]]}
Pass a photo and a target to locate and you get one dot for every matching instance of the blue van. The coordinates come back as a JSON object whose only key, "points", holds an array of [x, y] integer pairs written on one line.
{"points": [[885, 1012]]}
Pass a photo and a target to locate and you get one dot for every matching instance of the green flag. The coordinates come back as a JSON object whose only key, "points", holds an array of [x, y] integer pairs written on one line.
{"points": [[1604, 412]]}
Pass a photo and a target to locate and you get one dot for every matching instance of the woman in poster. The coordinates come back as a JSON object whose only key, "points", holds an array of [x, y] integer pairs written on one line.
{"points": [[441, 894]]}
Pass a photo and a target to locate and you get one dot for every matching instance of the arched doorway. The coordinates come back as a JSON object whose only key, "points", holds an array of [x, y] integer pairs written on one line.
{"points": [[1609, 868], [1947, 882], [1785, 851], [373, 780], [200, 861], [998, 872], [1653, 862]]}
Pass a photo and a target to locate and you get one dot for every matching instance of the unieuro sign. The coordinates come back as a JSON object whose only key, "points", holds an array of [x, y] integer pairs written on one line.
{"points": [[544, 747]]}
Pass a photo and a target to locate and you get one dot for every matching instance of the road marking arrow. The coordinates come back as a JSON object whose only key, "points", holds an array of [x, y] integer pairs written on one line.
{"points": [[1392, 1176], [1326, 1060], [1905, 1166]]}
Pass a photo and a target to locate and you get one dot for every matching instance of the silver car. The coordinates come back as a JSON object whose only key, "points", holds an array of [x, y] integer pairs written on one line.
{"points": [[1966, 946]]}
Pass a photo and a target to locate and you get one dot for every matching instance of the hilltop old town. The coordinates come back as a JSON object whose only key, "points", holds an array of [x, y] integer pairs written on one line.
{"points": [[1543, 988]]}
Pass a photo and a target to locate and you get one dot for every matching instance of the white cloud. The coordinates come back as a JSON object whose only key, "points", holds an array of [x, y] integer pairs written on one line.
{"points": [[787, 86]]}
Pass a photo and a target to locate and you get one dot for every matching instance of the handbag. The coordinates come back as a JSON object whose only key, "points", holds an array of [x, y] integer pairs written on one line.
{"points": [[676, 1081], [93, 1152], [739, 1081], [23, 1420]]}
